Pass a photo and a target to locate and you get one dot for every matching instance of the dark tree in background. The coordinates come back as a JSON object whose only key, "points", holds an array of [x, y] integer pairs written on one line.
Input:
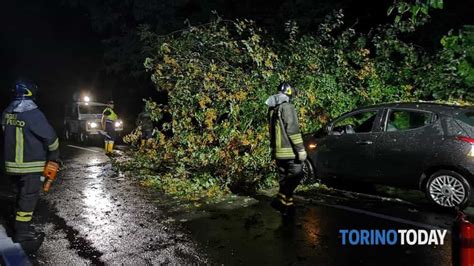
{"points": [[51, 44], [118, 21]]}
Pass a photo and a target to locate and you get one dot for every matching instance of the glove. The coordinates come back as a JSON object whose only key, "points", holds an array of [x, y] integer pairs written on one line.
{"points": [[302, 156]]}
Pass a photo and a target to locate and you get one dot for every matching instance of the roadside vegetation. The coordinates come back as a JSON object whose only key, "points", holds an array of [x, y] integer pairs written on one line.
{"points": [[212, 137]]}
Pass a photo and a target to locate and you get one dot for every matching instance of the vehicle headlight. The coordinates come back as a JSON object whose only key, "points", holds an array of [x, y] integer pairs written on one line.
{"points": [[93, 124], [118, 123]]}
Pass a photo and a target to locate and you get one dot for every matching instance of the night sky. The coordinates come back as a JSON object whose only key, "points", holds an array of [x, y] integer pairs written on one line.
{"points": [[55, 45], [50, 44]]}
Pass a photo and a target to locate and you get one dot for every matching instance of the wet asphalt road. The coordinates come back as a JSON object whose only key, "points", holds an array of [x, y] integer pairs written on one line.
{"points": [[256, 235], [96, 216]]}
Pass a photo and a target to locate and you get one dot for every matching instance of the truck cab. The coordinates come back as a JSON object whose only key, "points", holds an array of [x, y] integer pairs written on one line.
{"points": [[82, 121]]}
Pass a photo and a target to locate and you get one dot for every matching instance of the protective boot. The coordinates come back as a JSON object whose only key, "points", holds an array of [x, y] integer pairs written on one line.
{"points": [[290, 207], [110, 147], [283, 204], [106, 148], [29, 239]]}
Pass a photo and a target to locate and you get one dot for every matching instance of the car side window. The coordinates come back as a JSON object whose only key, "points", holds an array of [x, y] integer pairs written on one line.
{"points": [[358, 123], [399, 120]]}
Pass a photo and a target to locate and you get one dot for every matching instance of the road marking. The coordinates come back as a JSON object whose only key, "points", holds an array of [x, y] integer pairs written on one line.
{"points": [[388, 217], [383, 216], [82, 148], [397, 200]]}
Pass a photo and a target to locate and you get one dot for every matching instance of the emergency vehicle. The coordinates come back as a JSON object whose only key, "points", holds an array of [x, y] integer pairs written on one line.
{"points": [[82, 120]]}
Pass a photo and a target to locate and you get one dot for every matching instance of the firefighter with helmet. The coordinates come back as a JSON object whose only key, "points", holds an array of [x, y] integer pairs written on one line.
{"points": [[109, 117], [30, 142], [145, 122], [286, 145]]}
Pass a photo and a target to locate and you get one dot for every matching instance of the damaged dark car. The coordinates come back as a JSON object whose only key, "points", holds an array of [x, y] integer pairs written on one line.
{"points": [[416, 145]]}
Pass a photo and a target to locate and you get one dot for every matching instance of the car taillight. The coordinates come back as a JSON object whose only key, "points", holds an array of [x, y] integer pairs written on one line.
{"points": [[470, 141], [465, 139]]}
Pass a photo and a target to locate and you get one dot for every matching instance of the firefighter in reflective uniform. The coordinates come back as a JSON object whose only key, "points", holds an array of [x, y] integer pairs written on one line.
{"points": [[109, 117], [144, 121], [30, 142], [286, 145]]}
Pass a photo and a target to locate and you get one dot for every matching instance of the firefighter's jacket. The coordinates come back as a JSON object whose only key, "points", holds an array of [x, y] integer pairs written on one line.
{"points": [[144, 120], [285, 136], [29, 139]]}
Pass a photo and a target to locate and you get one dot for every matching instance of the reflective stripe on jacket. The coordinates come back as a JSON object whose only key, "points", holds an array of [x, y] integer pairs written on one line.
{"points": [[29, 142], [285, 135]]}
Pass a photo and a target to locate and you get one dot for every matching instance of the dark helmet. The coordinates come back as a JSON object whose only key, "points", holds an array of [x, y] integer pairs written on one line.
{"points": [[287, 89], [25, 90]]}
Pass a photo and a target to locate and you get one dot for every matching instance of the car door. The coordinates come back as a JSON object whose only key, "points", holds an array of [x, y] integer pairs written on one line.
{"points": [[405, 145], [348, 150]]}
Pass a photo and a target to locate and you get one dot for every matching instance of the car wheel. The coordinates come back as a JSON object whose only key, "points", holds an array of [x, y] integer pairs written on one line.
{"points": [[83, 138], [448, 189], [309, 176]]}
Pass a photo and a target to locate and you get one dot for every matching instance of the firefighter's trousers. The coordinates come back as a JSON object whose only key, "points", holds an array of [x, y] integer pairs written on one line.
{"points": [[28, 192], [290, 173]]}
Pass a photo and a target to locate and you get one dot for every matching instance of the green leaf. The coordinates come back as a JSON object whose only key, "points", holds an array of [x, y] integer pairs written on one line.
{"points": [[424, 9], [390, 10], [397, 19], [415, 10]]}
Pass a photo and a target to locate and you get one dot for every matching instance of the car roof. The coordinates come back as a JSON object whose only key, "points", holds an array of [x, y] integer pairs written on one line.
{"points": [[446, 109]]}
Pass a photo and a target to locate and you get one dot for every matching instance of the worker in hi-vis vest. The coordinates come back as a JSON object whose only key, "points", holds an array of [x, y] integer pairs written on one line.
{"points": [[109, 117]]}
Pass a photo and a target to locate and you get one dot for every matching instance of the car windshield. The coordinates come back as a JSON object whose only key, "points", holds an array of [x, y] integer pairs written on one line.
{"points": [[467, 117], [91, 109]]}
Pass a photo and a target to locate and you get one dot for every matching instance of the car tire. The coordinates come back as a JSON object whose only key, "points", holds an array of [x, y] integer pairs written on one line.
{"points": [[83, 138], [448, 189], [309, 175]]}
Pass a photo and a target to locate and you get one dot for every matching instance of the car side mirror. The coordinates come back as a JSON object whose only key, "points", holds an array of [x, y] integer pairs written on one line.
{"points": [[349, 129], [328, 129]]}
